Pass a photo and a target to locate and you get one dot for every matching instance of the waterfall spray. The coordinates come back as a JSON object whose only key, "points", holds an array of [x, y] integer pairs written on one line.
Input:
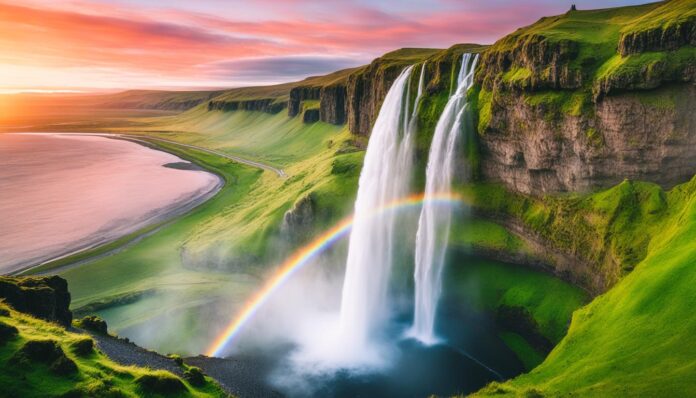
{"points": [[364, 306], [434, 221]]}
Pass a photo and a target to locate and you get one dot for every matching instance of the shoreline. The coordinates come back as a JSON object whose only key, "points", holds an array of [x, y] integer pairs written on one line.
{"points": [[146, 225]]}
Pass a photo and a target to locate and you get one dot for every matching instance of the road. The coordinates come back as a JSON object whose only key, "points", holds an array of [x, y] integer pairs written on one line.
{"points": [[238, 159]]}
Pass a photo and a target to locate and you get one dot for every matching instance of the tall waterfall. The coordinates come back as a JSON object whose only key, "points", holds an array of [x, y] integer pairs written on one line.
{"points": [[434, 221], [364, 306]]}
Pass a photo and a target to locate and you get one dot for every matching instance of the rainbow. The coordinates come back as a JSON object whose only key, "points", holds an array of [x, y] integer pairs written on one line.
{"points": [[303, 256]]}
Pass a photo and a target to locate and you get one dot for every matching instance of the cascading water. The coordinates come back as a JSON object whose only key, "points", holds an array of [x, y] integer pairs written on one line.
{"points": [[434, 221], [384, 178]]}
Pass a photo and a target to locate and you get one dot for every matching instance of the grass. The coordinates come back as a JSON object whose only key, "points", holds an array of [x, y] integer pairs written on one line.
{"points": [[96, 375], [583, 44], [636, 339], [607, 229], [489, 285], [219, 252]]}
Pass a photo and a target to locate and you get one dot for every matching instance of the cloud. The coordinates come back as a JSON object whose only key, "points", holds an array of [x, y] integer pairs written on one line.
{"points": [[278, 69], [221, 43]]}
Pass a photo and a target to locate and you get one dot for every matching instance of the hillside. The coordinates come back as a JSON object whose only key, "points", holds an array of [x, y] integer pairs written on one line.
{"points": [[40, 358]]}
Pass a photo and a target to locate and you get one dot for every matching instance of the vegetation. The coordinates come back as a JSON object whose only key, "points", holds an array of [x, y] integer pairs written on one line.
{"points": [[41, 359], [561, 64], [548, 300], [219, 252], [644, 323]]}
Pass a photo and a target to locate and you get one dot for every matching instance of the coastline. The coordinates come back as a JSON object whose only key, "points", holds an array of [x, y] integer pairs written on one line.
{"points": [[104, 244]]}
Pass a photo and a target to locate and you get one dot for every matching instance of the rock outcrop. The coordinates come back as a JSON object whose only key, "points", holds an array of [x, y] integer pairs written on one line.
{"points": [[332, 104], [666, 37], [625, 136], [299, 94], [561, 114], [43, 297], [268, 105], [310, 116]]}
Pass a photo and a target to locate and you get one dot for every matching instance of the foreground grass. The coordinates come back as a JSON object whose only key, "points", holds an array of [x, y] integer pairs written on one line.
{"points": [[94, 375]]}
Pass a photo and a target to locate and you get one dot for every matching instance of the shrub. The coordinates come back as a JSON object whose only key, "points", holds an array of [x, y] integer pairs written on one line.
{"points": [[177, 360], [195, 376], [7, 332], [63, 366], [82, 347], [160, 383], [48, 352], [93, 323]]}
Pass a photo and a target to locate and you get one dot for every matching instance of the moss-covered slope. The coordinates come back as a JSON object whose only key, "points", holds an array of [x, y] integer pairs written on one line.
{"points": [[43, 359], [636, 339]]}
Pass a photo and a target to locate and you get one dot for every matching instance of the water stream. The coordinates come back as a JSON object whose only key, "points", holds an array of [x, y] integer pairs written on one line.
{"points": [[434, 222]]}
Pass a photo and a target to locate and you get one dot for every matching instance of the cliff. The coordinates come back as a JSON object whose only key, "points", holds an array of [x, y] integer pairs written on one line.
{"points": [[586, 99], [43, 297], [268, 105]]}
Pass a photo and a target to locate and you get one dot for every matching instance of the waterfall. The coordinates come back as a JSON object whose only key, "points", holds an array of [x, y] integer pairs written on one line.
{"points": [[434, 221], [384, 178]]}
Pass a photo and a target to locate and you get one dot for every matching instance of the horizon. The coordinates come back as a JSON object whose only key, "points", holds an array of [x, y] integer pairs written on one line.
{"points": [[108, 46]]}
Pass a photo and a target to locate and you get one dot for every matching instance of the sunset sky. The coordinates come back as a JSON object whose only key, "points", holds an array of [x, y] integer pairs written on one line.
{"points": [[108, 44]]}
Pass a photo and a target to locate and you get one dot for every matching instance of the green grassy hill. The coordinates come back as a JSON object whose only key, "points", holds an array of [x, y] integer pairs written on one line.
{"points": [[636, 339], [42, 359]]}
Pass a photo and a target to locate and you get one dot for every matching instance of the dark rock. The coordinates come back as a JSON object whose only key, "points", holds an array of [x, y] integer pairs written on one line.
{"points": [[83, 347], [268, 105], [299, 221], [520, 321], [160, 383], [310, 116], [63, 366], [550, 64], [7, 333], [195, 376], [93, 323], [365, 94], [622, 137], [299, 94], [662, 38], [332, 104], [43, 297], [47, 352]]}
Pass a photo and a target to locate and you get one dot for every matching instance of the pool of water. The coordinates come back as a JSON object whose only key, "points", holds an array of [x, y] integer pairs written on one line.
{"points": [[60, 193]]}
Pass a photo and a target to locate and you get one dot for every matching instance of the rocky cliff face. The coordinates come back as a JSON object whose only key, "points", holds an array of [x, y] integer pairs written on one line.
{"points": [[43, 297], [660, 37], [332, 104], [299, 94], [268, 105], [558, 114], [626, 136]]}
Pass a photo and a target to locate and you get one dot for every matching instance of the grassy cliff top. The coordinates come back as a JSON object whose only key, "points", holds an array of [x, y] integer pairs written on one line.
{"points": [[663, 15]]}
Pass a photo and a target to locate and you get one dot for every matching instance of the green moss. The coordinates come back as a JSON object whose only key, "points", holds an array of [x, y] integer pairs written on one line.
{"points": [[648, 69], [608, 228], [518, 77], [485, 234], [45, 360], [524, 351], [615, 344], [674, 12], [489, 285], [594, 137]]}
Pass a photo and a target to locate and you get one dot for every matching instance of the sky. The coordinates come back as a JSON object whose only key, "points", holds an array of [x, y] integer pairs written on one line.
{"points": [[83, 45]]}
